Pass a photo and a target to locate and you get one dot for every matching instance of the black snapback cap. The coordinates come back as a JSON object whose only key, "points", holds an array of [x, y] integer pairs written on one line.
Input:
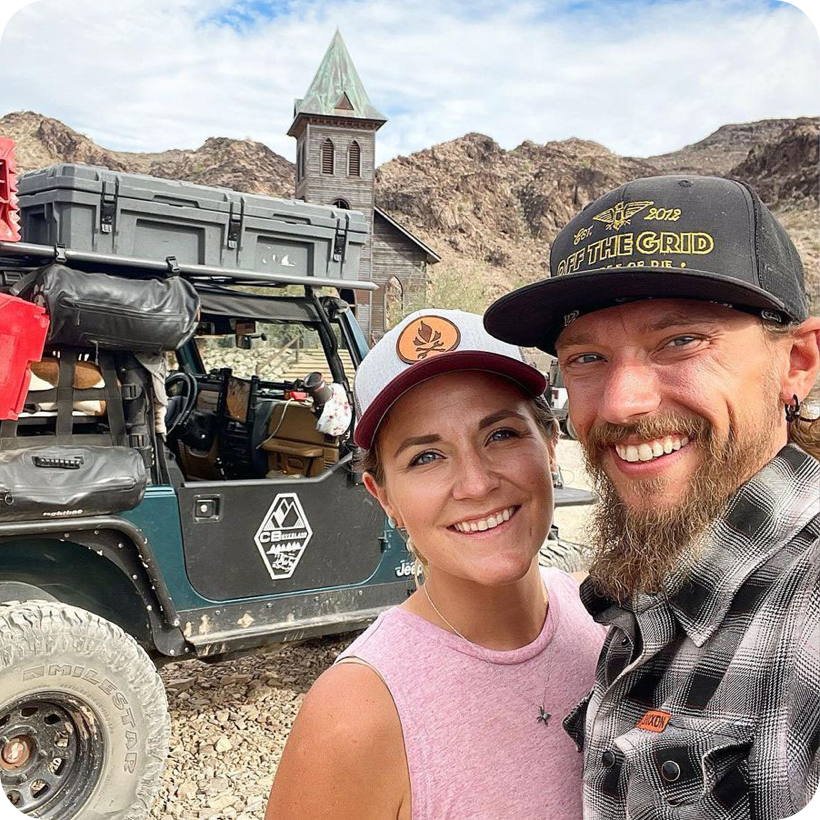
{"points": [[685, 237]]}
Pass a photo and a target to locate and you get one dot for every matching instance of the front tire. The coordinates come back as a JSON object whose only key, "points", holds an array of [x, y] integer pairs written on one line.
{"points": [[84, 723]]}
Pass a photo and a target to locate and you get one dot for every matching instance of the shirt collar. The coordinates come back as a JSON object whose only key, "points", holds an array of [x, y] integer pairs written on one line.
{"points": [[762, 514]]}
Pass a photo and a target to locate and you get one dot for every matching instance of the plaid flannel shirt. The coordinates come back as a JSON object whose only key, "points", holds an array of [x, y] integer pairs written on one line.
{"points": [[706, 703]]}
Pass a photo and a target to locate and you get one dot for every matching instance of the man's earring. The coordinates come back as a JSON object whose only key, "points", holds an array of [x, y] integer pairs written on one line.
{"points": [[391, 522], [793, 410]]}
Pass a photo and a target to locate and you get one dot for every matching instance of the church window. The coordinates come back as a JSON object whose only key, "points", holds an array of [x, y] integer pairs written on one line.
{"points": [[327, 156], [342, 204], [300, 166], [354, 160]]}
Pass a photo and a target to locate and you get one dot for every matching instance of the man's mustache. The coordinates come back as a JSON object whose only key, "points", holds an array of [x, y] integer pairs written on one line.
{"points": [[604, 434]]}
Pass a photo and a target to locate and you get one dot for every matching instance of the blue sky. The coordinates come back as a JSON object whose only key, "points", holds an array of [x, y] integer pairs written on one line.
{"points": [[640, 76]]}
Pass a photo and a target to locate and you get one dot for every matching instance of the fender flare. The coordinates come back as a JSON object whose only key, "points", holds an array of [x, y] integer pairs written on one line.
{"points": [[108, 536]]}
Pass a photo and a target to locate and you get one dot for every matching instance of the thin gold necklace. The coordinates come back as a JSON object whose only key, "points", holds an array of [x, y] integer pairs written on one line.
{"points": [[543, 715]]}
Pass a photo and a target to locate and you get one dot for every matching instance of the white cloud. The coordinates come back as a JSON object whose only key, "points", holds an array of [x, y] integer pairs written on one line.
{"points": [[641, 78]]}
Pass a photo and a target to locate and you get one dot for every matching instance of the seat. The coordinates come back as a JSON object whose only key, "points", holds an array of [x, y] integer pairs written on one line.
{"points": [[45, 376], [294, 445]]}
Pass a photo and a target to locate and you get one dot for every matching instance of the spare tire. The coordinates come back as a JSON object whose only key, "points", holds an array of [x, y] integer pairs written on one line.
{"points": [[84, 723]]}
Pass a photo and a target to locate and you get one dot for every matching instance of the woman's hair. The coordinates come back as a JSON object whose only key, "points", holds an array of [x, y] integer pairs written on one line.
{"points": [[369, 461], [804, 432]]}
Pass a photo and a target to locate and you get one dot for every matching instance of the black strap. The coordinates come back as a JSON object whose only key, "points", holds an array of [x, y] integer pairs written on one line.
{"points": [[24, 282], [65, 396], [113, 400]]}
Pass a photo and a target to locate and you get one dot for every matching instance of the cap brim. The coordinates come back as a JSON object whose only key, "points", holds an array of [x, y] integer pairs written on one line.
{"points": [[531, 381], [534, 315]]}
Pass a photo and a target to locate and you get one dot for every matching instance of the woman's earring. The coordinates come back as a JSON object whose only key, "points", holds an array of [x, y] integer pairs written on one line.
{"points": [[793, 410], [391, 522]]}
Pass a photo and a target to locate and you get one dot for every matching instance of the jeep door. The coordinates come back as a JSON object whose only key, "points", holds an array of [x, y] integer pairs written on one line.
{"points": [[275, 507]]}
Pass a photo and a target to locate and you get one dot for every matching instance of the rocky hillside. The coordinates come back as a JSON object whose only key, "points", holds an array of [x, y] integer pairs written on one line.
{"points": [[242, 164], [490, 213], [718, 153], [783, 168]]}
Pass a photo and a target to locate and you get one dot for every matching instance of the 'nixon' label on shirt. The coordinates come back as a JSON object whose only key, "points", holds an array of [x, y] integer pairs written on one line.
{"points": [[654, 721]]}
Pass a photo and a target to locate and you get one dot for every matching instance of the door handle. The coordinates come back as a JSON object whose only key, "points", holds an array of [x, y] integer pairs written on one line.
{"points": [[207, 507]]}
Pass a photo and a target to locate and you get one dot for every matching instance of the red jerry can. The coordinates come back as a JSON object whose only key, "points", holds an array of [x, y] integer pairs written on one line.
{"points": [[9, 217], [23, 329]]}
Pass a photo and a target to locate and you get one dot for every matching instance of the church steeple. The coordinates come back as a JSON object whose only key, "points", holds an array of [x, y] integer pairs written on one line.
{"points": [[335, 127], [336, 90]]}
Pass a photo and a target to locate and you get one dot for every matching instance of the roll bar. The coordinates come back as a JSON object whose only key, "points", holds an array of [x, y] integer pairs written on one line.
{"points": [[59, 253]]}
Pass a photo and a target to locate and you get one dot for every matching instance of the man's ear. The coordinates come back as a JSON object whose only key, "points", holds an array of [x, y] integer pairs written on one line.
{"points": [[804, 360], [379, 492]]}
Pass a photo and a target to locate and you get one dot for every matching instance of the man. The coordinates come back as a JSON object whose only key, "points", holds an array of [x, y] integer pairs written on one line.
{"points": [[677, 309]]}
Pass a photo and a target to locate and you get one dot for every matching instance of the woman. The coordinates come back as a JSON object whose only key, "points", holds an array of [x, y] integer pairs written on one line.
{"points": [[450, 705]]}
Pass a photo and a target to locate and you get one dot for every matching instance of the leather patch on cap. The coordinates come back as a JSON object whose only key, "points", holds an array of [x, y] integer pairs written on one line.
{"points": [[425, 337], [654, 720]]}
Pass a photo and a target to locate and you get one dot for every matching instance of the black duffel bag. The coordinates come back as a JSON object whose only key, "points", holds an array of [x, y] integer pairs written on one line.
{"points": [[112, 312], [60, 481]]}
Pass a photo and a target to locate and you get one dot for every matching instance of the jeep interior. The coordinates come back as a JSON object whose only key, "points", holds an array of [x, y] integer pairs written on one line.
{"points": [[250, 417]]}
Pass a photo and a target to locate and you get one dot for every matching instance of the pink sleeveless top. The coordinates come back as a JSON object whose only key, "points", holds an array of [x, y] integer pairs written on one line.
{"points": [[475, 748]]}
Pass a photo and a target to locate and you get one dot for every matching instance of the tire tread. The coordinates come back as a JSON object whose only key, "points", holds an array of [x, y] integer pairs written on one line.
{"points": [[32, 629]]}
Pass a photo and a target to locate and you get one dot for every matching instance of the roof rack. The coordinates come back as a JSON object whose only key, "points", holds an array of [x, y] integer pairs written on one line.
{"points": [[230, 276]]}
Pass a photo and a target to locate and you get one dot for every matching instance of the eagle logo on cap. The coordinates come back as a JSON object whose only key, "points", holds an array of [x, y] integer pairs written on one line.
{"points": [[619, 215], [425, 337]]}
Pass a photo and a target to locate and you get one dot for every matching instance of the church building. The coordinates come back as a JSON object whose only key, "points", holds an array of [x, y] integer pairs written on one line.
{"points": [[335, 127]]}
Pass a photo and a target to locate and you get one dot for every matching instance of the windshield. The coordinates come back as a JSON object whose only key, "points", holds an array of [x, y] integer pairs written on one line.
{"points": [[279, 352]]}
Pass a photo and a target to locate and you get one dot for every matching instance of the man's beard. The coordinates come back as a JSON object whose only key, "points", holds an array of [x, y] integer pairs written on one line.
{"points": [[636, 549]]}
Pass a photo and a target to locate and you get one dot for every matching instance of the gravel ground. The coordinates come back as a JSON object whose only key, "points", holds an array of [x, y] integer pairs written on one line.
{"points": [[229, 722]]}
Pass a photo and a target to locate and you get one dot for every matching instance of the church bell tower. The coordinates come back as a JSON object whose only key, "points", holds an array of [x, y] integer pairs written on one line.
{"points": [[335, 128]]}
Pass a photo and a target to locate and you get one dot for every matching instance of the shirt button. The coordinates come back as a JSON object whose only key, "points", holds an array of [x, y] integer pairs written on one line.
{"points": [[670, 771], [608, 759]]}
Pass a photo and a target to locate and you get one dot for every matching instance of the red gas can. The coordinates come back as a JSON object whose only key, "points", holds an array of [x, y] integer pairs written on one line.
{"points": [[23, 328]]}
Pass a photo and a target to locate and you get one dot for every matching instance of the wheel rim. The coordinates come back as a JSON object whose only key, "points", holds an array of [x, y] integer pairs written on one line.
{"points": [[51, 753]]}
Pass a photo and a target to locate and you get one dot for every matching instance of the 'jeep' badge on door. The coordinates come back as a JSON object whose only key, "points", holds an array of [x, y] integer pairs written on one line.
{"points": [[283, 536]]}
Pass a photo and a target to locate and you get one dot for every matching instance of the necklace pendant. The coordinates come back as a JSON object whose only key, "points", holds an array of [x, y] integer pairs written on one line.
{"points": [[543, 716]]}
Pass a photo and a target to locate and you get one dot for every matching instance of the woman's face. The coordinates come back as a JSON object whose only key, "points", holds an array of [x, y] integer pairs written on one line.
{"points": [[467, 473]]}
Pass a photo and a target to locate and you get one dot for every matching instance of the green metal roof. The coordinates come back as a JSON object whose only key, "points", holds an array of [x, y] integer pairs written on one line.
{"points": [[337, 90]]}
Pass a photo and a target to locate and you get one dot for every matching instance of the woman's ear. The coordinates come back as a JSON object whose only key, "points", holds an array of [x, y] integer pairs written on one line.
{"points": [[551, 443], [379, 492]]}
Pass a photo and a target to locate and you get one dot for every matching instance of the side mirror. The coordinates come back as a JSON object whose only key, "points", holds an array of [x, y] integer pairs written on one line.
{"points": [[244, 329], [249, 342]]}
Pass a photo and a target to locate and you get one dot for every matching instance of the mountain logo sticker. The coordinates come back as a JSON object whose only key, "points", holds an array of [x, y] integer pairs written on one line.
{"points": [[283, 535]]}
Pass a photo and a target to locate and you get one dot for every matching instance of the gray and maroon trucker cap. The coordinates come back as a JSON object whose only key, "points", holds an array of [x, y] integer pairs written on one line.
{"points": [[686, 237], [428, 343]]}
